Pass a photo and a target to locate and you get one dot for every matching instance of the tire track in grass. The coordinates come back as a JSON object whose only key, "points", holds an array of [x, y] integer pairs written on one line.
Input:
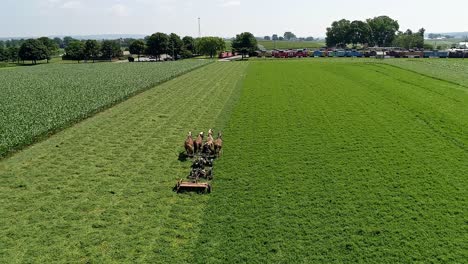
{"points": [[101, 191]]}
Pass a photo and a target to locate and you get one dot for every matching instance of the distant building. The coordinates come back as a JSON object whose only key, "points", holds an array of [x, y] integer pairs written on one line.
{"points": [[463, 45]]}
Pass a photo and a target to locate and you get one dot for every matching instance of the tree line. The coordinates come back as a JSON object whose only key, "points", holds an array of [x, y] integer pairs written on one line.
{"points": [[288, 35], [31, 49], [436, 36], [155, 45], [381, 31]]}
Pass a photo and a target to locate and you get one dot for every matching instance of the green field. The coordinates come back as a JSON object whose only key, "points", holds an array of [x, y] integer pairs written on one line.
{"points": [[453, 70], [443, 43], [270, 44], [284, 44], [44, 98], [325, 161], [340, 162], [101, 191]]}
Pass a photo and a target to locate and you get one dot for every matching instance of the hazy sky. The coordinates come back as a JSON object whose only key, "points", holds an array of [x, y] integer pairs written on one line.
{"points": [[218, 17]]}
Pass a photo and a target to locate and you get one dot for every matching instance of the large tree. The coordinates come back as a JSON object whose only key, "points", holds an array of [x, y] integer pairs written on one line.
{"points": [[360, 32], [210, 46], [137, 47], [274, 37], [244, 43], [59, 42], [110, 49], [75, 50], [13, 54], [3, 54], [157, 44], [383, 30], [52, 47], [410, 40], [289, 35], [175, 45], [33, 50], [189, 44], [91, 49], [338, 35], [67, 40]]}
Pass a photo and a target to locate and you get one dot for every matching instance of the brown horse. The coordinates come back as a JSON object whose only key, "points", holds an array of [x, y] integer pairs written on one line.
{"points": [[199, 143], [189, 148], [218, 144]]}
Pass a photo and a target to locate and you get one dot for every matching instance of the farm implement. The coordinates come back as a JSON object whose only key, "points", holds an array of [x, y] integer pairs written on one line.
{"points": [[200, 187], [201, 172], [197, 180]]}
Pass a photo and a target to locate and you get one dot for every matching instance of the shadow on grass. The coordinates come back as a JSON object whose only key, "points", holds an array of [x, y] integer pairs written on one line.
{"points": [[183, 156]]}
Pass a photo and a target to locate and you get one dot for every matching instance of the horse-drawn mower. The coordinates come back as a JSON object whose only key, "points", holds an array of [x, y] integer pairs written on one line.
{"points": [[197, 180], [200, 187], [202, 167]]}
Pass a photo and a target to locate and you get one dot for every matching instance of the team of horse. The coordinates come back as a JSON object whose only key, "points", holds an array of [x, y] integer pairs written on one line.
{"points": [[210, 147]]}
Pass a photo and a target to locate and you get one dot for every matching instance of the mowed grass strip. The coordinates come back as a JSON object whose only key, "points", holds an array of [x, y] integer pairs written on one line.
{"points": [[329, 162], [101, 191]]}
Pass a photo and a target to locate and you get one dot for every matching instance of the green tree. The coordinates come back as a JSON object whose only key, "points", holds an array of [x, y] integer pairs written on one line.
{"points": [[244, 43], [33, 50], [67, 40], [274, 37], [14, 42], [3, 54], [189, 44], [175, 45], [266, 38], [157, 44], [137, 47], [360, 32], [13, 54], [338, 35], [59, 42], [91, 49], [383, 30], [410, 40], [75, 50], [289, 35], [434, 36], [110, 49], [52, 47], [210, 46]]}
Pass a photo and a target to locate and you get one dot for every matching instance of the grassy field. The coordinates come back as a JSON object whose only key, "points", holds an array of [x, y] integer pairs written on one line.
{"points": [[325, 161], [340, 163], [284, 44], [40, 99], [443, 43], [452, 70], [101, 191], [270, 44]]}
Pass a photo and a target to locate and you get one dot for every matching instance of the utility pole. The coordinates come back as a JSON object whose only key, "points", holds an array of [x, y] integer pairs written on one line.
{"points": [[199, 28]]}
